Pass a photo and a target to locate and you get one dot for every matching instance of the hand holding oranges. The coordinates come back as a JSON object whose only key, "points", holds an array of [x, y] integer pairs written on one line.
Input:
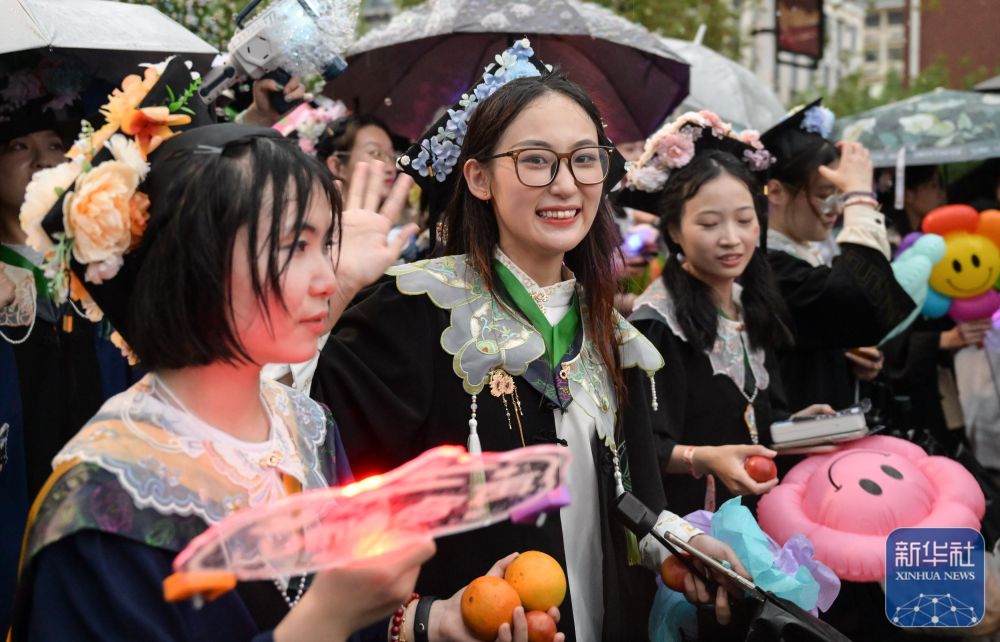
{"points": [[533, 581]]}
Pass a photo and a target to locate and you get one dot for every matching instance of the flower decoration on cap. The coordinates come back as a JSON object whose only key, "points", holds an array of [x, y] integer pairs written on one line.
{"points": [[818, 120], [439, 152], [308, 122], [677, 142], [104, 214]]}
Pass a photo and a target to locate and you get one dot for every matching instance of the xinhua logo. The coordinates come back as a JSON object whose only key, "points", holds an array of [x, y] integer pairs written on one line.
{"points": [[935, 577]]}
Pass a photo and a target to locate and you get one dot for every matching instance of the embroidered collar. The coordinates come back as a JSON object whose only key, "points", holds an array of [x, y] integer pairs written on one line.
{"points": [[551, 296], [483, 335], [168, 460], [727, 353], [808, 252]]}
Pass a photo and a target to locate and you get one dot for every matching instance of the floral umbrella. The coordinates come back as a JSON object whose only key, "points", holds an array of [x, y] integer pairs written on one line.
{"points": [[406, 71], [942, 126]]}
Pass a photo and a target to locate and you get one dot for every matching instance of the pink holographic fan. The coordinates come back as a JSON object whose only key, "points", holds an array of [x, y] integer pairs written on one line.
{"points": [[443, 491]]}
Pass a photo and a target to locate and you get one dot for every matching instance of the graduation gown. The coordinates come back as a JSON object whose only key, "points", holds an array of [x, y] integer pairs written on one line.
{"points": [[402, 372], [700, 393], [855, 302], [105, 530]]}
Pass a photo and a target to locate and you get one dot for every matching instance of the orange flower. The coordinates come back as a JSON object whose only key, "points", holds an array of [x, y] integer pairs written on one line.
{"points": [[120, 103], [79, 293], [150, 126], [97, 214], [139, 217]]}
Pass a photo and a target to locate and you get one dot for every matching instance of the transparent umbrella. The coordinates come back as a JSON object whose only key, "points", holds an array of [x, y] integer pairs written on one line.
{"points": [[91, 29], [727, 88]]}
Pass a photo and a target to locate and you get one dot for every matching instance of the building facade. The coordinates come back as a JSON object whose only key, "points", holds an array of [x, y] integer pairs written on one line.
{"points": [[843, 53]]}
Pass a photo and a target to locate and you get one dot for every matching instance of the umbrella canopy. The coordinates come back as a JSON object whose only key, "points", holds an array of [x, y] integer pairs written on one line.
{"points": [[991, 84], [727, 88], [91, 28], [942, 126], [422, 60]]}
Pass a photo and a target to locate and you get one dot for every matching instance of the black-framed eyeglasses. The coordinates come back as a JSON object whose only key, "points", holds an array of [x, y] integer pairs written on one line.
{"points": [[539, 166]]}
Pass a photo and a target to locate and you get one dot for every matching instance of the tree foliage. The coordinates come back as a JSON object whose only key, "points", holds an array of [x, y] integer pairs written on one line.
{"points": [[211, 20]]}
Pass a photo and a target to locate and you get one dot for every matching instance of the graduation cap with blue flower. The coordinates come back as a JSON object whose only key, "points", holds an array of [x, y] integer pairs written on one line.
{"points": [[810, 121], [432, 159]]}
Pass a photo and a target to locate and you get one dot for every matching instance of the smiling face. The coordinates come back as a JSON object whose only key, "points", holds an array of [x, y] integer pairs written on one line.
{"points": [[286, 332], [539, 223], [719, 230], [971, 266], [868, 491]]}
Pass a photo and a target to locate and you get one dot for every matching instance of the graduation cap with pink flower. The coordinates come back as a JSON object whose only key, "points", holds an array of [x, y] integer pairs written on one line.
{"points": [[674, 146]]}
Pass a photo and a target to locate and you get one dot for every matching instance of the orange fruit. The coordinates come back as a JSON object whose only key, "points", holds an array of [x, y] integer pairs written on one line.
{"points": [[541, 626], [538, 580], [487, 603]]}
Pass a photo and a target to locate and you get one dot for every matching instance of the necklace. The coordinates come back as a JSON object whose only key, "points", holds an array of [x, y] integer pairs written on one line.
{"points": [[286, 593], [749, 416]]}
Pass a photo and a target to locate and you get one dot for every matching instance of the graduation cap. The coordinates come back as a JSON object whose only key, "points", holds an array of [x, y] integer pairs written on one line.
{"points": [[432, 160], [93, 216], [801, 124], [676, 144]]}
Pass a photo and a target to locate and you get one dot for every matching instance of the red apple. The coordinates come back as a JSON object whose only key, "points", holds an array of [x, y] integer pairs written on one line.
{"points": [[760, 468], [672, 571], [541, 626]]}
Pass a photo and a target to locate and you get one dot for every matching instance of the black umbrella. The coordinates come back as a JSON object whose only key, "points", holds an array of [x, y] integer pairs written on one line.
{"points": [[422, 60], [774, 620]]}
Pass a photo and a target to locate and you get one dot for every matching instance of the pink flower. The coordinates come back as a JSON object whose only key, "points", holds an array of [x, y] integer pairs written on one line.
{"points": [[752, 138], [758, 160], [719, 128], [673, 151]]}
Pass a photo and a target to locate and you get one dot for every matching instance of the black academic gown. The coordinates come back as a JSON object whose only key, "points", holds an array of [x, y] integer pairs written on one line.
{"points": [[697, 407], [393, 391], [854, 303]]}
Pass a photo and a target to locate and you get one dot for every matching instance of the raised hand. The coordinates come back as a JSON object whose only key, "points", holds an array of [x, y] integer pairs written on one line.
{"points": [[854, 170]]}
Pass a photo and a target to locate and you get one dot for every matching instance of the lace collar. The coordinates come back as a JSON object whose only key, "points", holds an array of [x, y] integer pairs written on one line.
{"points": [[483, 336], [551, 296], [726, 355], [171, 461], [807, 252]]}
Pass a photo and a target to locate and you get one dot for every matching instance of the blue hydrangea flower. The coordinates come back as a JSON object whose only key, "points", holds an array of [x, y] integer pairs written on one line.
{"points": [[522, 69], [818, 120], [522, 49], [423, 161]]}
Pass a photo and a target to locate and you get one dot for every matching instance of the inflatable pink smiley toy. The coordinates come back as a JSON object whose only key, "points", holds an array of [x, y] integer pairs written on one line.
{"points": [[847, 502]]}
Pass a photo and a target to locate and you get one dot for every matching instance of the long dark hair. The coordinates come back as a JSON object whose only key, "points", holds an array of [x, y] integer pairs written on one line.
{"points": [[470, 225], [799, 155], [696, 308]]}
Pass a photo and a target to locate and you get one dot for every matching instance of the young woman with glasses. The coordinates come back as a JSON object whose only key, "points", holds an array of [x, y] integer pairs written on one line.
{"points": [[511, 340], [354, 139]]}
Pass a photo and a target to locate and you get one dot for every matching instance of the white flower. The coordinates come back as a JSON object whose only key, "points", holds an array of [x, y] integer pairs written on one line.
{"points": [[41, 194], [404, 160], [648, 179], [917, 123], [126, 151]]}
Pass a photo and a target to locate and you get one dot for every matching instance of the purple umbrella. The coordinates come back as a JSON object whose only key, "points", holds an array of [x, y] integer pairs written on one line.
{"points": [[421, 61]]}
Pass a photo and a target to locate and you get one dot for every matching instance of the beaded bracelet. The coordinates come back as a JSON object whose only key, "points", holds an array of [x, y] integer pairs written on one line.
{"points": [[863, 200], [399, 618]]}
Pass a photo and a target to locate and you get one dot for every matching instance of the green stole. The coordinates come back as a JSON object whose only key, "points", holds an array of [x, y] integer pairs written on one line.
{"points": [[559, 337], [11, 257]]}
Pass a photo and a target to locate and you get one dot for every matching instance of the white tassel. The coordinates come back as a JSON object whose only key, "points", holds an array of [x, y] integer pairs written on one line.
{"points": [[652, 385], [474, 446]]}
